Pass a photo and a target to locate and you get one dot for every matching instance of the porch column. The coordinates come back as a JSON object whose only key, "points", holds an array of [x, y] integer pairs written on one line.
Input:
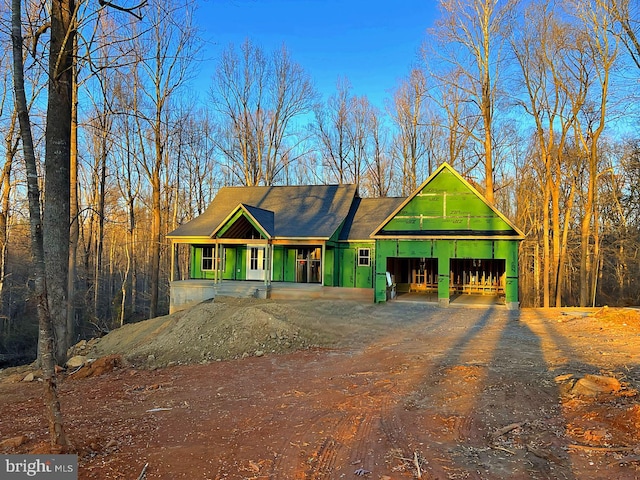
{"points": [[322, 260], [174, 260], [268, 266], [216, 267]]}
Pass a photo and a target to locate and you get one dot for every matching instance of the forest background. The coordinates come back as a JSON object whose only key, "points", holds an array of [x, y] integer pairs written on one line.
{"points": [[534, 102]]}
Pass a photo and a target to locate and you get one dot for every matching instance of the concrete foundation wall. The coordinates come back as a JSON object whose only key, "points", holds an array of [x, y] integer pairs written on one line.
{"points": [[186, 293]]}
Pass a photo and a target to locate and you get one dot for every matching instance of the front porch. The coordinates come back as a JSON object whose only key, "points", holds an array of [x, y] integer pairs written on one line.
{"points": [[186, 293]]}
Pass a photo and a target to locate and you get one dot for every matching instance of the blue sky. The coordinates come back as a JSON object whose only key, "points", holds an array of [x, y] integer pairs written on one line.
{"points": [[372, 43]]}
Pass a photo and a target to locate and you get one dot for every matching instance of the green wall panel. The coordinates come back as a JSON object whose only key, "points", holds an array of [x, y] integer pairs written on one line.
{"points": [[412, 248], [230, 263], [446, 204], [474, 249], [329, 266], [241, 263], [278, 264], [290, 265], [384, 249], [347, 267]]}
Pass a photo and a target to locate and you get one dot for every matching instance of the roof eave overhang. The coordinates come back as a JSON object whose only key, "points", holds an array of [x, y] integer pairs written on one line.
{"points": [[448, 237], [190, 239]]}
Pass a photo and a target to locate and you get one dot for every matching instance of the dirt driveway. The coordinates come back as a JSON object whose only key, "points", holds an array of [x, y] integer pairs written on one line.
{"points": [[415, 391]]}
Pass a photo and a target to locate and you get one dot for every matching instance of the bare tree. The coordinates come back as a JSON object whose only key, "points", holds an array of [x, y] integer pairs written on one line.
{"points": [[59, 24], [332, 134], [599, 51], [257, 98], [163, 54], [380, 178], [543, 48], [624, 13], [472, 33], [410, 117]]}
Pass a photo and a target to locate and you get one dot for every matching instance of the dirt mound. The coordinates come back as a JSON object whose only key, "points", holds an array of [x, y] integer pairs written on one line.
{"points": [[225, 329]]}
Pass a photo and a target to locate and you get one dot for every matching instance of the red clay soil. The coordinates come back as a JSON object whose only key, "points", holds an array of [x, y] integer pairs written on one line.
{"points": [[473, 393]]}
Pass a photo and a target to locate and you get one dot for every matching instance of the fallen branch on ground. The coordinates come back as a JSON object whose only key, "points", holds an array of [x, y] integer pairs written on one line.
{"points": [[507, 429], [143, 473], [602, 449]]}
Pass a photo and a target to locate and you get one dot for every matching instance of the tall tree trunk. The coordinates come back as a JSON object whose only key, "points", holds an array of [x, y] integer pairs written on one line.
{"points": [[57, 435], [155, 244], [74, 228], [101, 185], [564, 244], [11, 147], [57, 168], [545, 244]]}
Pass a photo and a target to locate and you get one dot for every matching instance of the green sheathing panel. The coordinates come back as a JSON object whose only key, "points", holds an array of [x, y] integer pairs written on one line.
{"points": [[241, 263], [289, 264], [446, 204], [195, 255], [347, 267], [350, 273], [278, 264], [444, 250], [384, 250], [414, 249], [196, 265], [231, 254], [364, 273], [329, 266], [508, 249]]}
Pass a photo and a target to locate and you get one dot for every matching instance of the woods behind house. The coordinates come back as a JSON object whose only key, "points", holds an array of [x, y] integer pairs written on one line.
{"points": [[535, 103]]}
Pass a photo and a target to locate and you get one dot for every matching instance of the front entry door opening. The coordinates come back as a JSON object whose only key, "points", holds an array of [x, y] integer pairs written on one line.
{"points": [[309, 265], [255, 263]]}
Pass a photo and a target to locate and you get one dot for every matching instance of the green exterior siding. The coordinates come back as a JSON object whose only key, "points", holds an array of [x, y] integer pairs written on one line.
{"points": [[329, 267], [230, 264], [351, 274], [278, 263], [446, 204]]}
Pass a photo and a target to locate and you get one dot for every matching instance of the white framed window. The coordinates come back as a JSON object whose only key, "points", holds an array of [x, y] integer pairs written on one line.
{"points": [[364, 257], [206, 263]]}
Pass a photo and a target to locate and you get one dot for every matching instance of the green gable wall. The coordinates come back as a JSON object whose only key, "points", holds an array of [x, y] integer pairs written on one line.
{"points": [[446, 204]]}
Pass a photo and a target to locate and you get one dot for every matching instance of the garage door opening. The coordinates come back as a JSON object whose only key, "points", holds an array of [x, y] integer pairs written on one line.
{"points": [[418, 275], [477, 276]]}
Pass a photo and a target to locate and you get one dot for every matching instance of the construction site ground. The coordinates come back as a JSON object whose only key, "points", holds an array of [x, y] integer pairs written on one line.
{"points": [[263, 389]]}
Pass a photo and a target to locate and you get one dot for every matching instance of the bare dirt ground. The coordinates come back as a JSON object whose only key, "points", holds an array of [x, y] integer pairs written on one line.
{"points": [[332, 390]]}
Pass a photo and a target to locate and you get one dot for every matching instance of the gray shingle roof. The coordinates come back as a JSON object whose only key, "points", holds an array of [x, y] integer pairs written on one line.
{"points": [[366, 215], [297, 211]]}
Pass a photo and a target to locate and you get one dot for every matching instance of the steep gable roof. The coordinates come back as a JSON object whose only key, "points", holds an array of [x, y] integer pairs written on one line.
{"points": [[310, 211], [446, 205], [245, 221]]}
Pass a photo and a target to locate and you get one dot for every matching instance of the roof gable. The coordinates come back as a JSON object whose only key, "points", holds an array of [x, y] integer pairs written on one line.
{"points": [[446, 205], [246, 222]]}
